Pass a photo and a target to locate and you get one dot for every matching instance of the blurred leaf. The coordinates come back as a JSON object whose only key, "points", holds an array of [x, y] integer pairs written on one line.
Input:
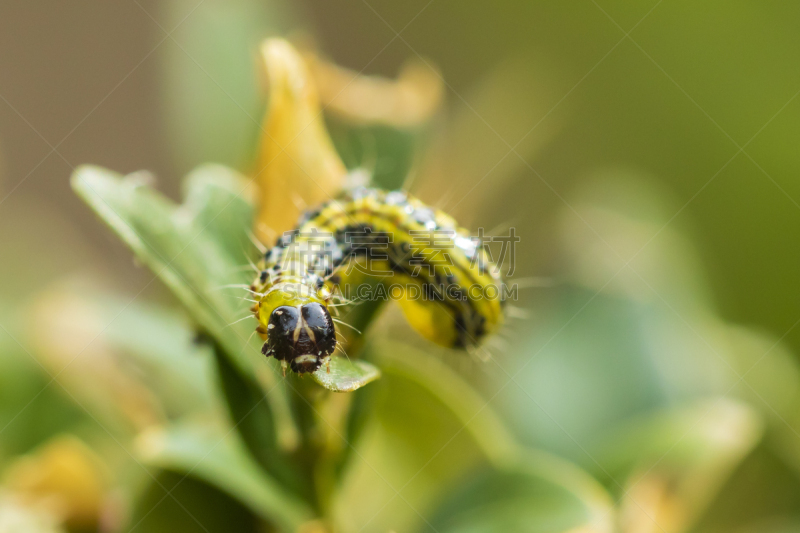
{"points": [[92, 373], [255, 420], [213, 101], [607, 240], [387, 154], [405, 102], [30, 410], [187, 258], [591, 361], [489, 432], [675, 462], [176, 502], [215, 455], [149, 344], [66, 473], [346, 375], [16, 517], [378, 124], [222, 201], [760, 496], [574, 489], [510, 501], [359, 413]]}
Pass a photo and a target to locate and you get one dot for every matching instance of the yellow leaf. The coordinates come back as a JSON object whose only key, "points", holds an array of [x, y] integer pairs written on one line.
{"points": [[406, 102], [297, 163], [65, 475]]}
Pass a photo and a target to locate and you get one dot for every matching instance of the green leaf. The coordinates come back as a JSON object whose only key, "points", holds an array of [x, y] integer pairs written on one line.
{"points": [[528, 471], [189, 248], [510, 501], [182, 252], [488, 431], [222, 201], [213, 101], [361, 410], [255, 420], [387, 153], [198, 250], [683, 455], [214, 454], [346, 375], [170, 501], [158, 342]]}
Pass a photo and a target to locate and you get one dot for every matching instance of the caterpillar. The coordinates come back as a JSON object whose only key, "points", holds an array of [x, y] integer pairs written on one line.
{"points": [[448, 288]]}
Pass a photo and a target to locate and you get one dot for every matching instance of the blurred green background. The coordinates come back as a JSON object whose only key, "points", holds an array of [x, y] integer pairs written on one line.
{"points": [[646, 152]]}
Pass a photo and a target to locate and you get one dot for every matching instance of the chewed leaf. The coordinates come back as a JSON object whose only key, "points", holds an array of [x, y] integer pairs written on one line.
{"points": [[346, 375], [214, 454]]}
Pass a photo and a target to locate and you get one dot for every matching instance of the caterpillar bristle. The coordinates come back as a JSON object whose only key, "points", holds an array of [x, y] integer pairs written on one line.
{"points": [[410, 177], [446, 197], [257, 243], [231, 286], [263, 227], [343, 323], [531, 282], [499, 343], [298, 202], [341, 348], [517, 312], [503, 227], [246, 344], [237, 321]]}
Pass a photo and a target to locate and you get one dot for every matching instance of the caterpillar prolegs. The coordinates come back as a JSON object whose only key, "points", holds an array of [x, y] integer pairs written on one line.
{"points": [[448, 288]]}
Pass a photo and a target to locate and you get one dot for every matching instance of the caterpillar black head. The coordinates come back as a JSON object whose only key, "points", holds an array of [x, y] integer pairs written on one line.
{"points": [[302, 336]]}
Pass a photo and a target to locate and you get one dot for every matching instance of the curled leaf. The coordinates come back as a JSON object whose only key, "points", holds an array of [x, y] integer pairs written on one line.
{"points": [[406, 102], [297, 163]]}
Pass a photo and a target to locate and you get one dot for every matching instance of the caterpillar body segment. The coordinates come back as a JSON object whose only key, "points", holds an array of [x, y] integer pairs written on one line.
{"points": [[448, 289]]}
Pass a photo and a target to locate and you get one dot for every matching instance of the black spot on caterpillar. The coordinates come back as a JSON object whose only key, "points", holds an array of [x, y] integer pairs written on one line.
{"points": [[449, 290]]}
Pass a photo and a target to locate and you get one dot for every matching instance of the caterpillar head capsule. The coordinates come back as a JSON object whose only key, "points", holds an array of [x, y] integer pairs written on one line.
{"points": [[302, 336]]}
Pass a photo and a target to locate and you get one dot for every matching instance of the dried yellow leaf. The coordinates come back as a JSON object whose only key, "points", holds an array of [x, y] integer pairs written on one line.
{"points": [[297, 163]]}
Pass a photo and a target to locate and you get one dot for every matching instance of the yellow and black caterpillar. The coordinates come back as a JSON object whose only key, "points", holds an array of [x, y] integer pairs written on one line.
{"points": [[449, 290]]}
